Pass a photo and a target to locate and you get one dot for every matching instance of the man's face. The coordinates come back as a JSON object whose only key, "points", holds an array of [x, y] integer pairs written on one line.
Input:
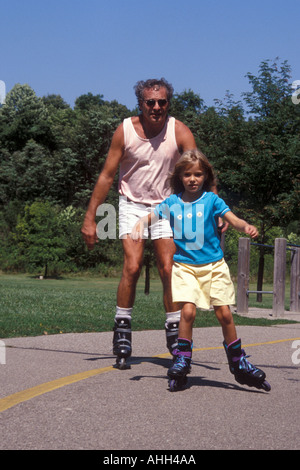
{"points": [[155, 105]]}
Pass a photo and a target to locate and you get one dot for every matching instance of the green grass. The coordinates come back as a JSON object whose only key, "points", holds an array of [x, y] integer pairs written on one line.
{"points": [[31, 307]]}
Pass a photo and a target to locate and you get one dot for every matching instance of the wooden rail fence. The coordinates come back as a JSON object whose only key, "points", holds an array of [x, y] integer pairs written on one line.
{"points": [[279, 277]]}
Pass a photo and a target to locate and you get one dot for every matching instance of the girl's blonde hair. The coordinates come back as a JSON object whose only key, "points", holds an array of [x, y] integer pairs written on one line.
{"points": [[189, 158]]}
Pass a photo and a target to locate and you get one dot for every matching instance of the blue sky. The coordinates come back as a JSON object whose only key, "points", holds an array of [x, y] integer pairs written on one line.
{"points": [[72, 47]]}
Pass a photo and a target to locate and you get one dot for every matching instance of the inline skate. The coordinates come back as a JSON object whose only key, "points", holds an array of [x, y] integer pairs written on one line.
{"points": [[182, 358], [244, 372], [122, 342]]}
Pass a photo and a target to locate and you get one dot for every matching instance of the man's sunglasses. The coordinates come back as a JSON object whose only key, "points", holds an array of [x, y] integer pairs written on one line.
{"points": [[151, 103]]}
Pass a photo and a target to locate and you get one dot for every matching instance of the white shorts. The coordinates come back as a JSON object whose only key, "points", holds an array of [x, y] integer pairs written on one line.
{"points": [[203, 285], [129, 214]]}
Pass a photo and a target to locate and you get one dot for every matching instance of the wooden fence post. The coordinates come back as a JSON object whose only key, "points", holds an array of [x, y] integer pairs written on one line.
{"points": [[295, 280], [243, 275], [279, 277]]}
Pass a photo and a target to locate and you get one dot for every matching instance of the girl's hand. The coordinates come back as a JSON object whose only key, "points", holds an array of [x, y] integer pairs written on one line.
{"points": [[251, 230], [137, 231]]}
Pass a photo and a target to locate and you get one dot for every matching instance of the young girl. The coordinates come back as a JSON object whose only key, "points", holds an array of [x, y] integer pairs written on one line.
{"points": [[200, 276]]}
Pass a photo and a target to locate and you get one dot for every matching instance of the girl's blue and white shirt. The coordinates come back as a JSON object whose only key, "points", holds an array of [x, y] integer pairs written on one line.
{"points": [[194, 226]]}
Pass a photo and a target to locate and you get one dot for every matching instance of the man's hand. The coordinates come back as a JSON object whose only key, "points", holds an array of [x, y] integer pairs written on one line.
{"points": [[222, 226], [89, 234]]}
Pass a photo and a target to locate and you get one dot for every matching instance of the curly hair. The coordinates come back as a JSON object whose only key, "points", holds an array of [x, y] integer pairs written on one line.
{"points": [[150, 83], [187, 159]]}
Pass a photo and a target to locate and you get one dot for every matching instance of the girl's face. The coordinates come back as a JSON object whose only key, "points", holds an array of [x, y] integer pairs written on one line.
{"points": [[193, 178]]}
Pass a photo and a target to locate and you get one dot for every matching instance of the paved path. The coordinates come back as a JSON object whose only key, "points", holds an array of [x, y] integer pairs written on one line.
{"points": [[61, 392]]}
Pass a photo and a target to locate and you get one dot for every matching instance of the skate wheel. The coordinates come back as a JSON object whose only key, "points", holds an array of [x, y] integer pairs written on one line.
{"points": [[177, 384], [121, 363], [266, 386], [173, 385]]}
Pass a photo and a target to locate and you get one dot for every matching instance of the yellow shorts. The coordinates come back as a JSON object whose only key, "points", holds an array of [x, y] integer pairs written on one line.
{"points": [[203, 285]]}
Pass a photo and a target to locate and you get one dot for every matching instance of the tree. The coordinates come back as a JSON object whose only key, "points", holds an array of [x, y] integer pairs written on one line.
{"points": [[187, 107], [87, 101], [266, 177], [24, 117], [39, 237], [186, 103], [93, 131], [36, 173]]}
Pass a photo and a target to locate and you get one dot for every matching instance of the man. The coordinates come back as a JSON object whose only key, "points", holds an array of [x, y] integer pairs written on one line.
{"points": [[146, 147]]}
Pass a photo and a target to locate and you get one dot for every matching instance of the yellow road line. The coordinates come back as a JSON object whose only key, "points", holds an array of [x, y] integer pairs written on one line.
{"points": [[24, 395], [28, 394], [243, 345], [253, 344]]}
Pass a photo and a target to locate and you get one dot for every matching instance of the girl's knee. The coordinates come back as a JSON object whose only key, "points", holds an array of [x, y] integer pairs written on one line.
{"points": [[188, 312], [224, 314]]}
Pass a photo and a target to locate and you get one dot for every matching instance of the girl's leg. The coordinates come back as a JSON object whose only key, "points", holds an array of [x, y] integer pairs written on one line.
{"points": [[182, 359], [225, 319], [188, 314]]}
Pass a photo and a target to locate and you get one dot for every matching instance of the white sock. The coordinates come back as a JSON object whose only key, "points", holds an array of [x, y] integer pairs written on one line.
{"points": [[123, 312], [173, 317]]}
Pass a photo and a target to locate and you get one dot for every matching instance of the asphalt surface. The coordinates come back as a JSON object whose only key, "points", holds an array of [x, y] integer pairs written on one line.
{"points": [[61, 393]]}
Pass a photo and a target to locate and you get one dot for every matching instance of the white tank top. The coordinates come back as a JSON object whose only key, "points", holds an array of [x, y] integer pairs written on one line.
{"points": [[147, 163]]}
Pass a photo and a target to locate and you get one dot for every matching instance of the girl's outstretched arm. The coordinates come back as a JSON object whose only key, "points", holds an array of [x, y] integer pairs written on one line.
{"points": [[138, 230], [240, 224]]}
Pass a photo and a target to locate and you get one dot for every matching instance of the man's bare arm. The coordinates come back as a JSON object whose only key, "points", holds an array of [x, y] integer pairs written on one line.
{"points": [[103, 186], [184, 137]]}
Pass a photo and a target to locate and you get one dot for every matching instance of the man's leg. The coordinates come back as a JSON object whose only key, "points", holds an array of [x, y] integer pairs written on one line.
{"points": [[133, 260], [132, 265], [164, 251]]}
